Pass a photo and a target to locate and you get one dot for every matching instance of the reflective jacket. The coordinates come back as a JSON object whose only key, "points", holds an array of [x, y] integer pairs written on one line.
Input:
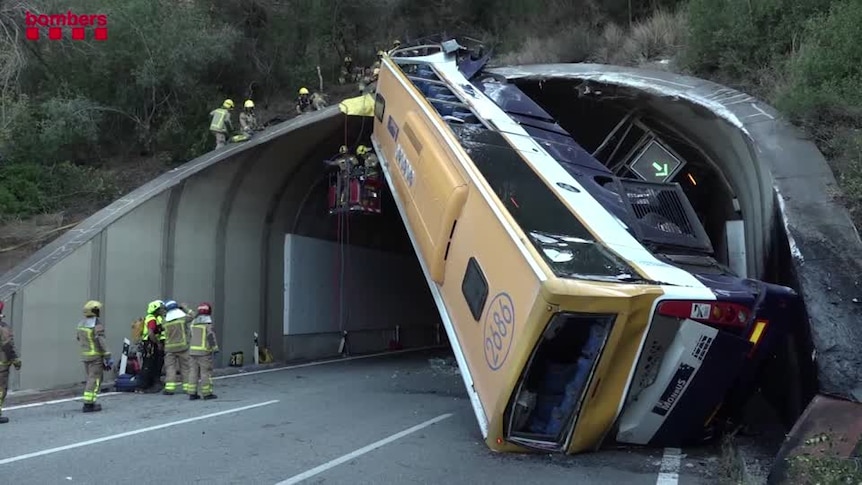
{"points": [[157, 323], [220, 120], [176, 331], [91, 338], [8, 353], [202, 336]]}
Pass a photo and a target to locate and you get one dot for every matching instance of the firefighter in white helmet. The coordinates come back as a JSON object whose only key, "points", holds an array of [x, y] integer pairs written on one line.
{"points": [[94, 353], [176, 347]]}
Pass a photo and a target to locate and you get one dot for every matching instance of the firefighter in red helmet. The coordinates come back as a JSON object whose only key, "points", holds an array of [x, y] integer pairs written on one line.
{"points": [[203, 345]]}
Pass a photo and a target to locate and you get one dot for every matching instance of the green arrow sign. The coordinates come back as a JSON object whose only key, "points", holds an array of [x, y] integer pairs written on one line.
{"points": [[655, 163], [660, 170]]}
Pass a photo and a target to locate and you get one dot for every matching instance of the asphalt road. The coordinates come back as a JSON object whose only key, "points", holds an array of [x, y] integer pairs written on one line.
{"points": [[395, 419]]}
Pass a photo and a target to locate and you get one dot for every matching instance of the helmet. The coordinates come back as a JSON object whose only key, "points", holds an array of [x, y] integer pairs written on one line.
{"points": [[342, 149], [380, 53], [361, 150], [396, 42], [303, 90], [348, 59], [171, 305], [376, 71], [92, 308], [228, 104], [154, 306], [205, 309], [248, 103]]}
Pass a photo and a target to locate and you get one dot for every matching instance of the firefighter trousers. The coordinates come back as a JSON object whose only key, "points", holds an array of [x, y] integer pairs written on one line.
{"points": [[176, 361], [4, 384], [94, 370], [220, 139], [201, 368]]}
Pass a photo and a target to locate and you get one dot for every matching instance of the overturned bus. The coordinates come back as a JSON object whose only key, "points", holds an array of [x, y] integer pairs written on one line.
{"points": [[582, 306]]}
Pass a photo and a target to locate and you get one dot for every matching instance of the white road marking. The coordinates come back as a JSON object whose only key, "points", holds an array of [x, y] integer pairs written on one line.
{"points": [[361, 451], [56, 401], [670, 461], [240, 374], [131, 433], [324, 362]]}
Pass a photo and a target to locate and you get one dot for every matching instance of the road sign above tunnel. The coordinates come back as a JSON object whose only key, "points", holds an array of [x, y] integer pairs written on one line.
{"points": [[655, 163]]}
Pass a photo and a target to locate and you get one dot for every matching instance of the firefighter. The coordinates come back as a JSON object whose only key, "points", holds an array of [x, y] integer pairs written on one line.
{"points": [[8, 357], [318, 102], [379, 60], [346, 70], [303, 102], [369, 160], [151, 348], [366, 80], [220, 124], [247, 119], [176, 347], [396, 44], [345, 162], [94, 353], [203, 344]]}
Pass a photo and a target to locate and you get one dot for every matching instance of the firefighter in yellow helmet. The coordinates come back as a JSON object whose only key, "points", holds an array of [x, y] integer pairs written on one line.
{"points": [[152, 350], [220, 124], [94, 353], [247, 119], [368, 159], [303, 101], [8, 357], [346, 70]]}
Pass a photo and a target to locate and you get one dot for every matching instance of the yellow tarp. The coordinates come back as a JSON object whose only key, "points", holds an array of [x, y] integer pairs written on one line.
{"points": [[358, 106]]}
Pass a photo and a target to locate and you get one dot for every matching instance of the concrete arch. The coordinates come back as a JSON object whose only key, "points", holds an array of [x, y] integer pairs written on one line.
{"points": [[211, 230]]}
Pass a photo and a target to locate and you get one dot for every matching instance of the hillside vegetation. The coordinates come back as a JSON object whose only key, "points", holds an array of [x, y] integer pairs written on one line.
{"points": [[82, 122]]}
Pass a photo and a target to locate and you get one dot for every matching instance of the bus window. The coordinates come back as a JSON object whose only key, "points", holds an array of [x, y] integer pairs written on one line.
{"points": [[475, 288], [564, 243]]}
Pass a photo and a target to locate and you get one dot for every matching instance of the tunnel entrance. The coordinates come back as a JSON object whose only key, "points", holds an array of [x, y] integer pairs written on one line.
{"points": [[617, 128], [616, 124], [353, 283]]}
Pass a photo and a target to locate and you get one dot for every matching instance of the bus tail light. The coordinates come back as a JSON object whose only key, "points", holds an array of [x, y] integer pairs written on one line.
{"points": [[714, 312]]}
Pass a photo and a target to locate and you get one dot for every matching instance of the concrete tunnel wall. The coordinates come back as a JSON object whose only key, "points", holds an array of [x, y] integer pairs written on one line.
{"points": [[214, 230], [786, 192]]}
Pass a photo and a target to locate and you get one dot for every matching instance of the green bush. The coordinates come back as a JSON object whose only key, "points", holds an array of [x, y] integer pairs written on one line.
{"points": [[825, 75], [30, 188], [735, 40]]}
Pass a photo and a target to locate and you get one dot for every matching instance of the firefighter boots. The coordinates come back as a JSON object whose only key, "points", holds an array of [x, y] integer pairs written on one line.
{"points": [[90, 407]]}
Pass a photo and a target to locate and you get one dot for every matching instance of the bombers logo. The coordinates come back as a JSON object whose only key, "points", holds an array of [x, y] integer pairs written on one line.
{"points": [[77, 24]]}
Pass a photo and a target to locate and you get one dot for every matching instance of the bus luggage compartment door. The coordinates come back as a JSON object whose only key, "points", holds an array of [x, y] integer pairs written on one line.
{"points": [[696, 371], [438, 191]]}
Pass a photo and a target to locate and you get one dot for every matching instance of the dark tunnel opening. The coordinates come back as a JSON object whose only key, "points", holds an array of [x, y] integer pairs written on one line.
{"points": [[360, 267], [615, 125]]}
